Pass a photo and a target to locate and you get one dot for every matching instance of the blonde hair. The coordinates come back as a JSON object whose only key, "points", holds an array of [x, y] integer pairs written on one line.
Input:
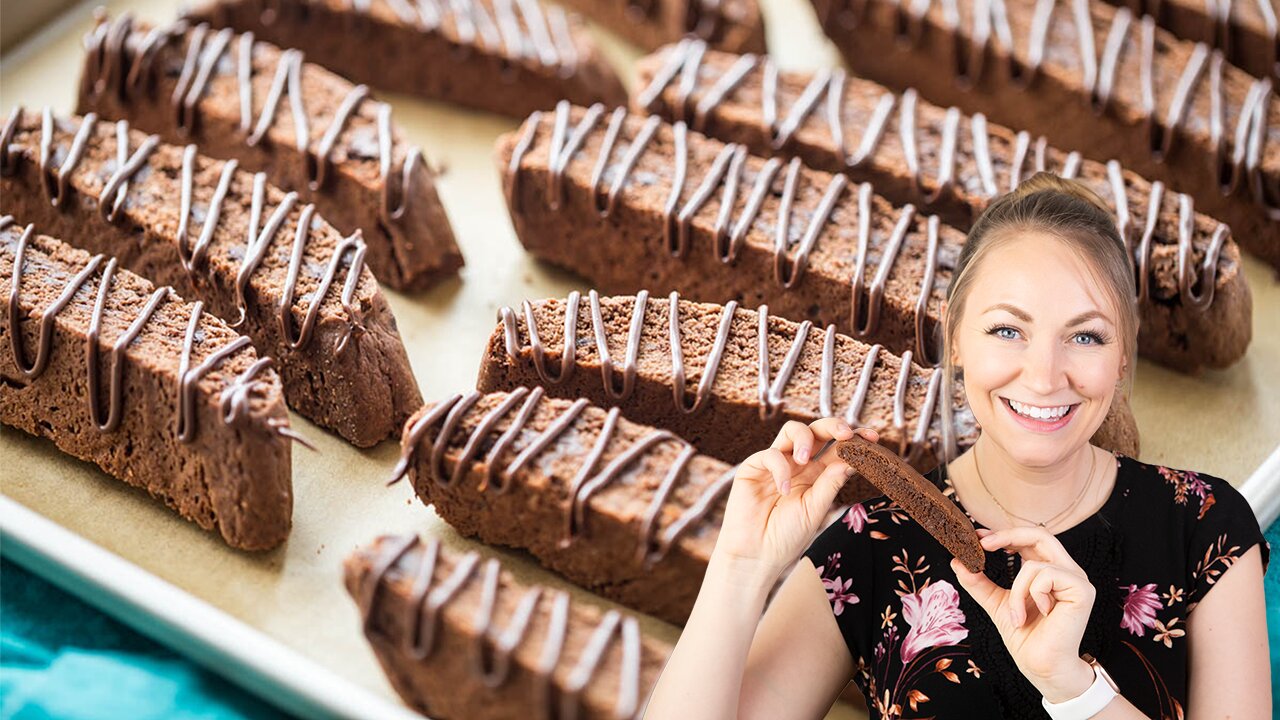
{"points": [[1072, 213]]}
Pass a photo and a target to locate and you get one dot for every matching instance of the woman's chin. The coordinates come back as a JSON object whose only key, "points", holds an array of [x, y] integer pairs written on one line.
{"points": [[1037, 450]]}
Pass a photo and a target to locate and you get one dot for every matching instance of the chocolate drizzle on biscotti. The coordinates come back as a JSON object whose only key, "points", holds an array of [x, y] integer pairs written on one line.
{"points": [[730, 233], [685, 68], [123, 63], [234, 396], [494, 649], [445, 418]]}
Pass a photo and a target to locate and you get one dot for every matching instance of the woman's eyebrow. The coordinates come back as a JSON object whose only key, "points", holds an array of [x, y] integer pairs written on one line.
{"points": [[1084, 316], [1011, 309]]}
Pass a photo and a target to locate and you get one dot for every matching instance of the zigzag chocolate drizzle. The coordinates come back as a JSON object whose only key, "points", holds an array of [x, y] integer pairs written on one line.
{"points": [[651, 546], [770, 389], [1244, 165], [730, 233], [235, 395], [192, 258], [493, 649], [685, 62], [112, 47]]}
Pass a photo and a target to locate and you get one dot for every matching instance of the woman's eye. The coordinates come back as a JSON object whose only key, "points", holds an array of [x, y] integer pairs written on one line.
{"points": [[1088, 338], [1006, 333]]}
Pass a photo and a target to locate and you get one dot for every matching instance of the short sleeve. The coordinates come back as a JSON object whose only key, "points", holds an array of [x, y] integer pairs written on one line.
{"points": [[1223, 528], [842, 555]]}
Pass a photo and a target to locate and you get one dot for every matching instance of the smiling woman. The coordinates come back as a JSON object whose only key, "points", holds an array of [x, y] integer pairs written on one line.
{"points": [[1111, 568]]}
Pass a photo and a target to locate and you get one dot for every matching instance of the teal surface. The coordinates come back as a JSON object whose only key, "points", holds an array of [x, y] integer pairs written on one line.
{"points": [[1272, 584], [61, 658]]}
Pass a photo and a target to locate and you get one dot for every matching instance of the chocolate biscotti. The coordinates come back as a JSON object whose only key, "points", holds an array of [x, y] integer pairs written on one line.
{"points": [[256, 257], [1195, 303], [459, 637], [1246, 31], [624, 510], [1170, 110], [726, 378], [146, 386], [594, 192], [505, 56], [919, 497], [731, 25], [311, 131]]}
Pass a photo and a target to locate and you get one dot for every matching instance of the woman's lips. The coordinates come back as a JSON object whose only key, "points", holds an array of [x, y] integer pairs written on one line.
{"points": [[1040, 425]]}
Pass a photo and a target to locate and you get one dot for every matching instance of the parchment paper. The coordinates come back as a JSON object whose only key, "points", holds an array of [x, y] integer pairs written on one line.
{"points": [[1224, 423]]}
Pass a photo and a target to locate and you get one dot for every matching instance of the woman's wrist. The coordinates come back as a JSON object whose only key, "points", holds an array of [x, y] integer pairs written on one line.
{"points": [[748, 577], [1071, 682]]}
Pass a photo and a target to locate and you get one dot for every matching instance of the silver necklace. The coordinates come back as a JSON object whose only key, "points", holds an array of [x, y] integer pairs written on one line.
{"points": [[1041, 523]]}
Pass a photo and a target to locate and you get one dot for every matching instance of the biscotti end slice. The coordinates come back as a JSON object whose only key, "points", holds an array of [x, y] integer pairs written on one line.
{"points": [[731, 25], [922, 500], [255, 255], [312, 131], [1195, 302], [459, 637], [622, 509], [505, 56], [145, 385]]}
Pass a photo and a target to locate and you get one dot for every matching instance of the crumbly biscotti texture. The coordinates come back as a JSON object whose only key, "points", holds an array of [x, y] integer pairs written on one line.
{"points": [[566, 656], [365, 177], [1204, 321], [563, 214], [921, 499], [503, 57], [732, 25], [741, 409], [1177, 76], [625, 510], [348, 372], [1249, 35], [231, 478]]}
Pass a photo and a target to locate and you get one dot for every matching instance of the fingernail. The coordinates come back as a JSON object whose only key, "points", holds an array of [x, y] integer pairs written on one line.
{"points": [[850, 472], [801, 455], [844, 427], [786, 486]]}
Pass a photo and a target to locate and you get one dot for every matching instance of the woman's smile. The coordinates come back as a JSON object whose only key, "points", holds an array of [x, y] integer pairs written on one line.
{"points": [[1040, 418]]}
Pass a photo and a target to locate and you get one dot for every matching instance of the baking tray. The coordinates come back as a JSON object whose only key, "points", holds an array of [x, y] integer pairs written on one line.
{"points": [[291, 599]]}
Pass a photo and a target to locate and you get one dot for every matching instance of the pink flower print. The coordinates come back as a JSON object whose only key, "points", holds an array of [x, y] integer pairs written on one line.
{"points": [[837, 589], [838, 593], [856, 518], [935, 618], [1140, 606]]}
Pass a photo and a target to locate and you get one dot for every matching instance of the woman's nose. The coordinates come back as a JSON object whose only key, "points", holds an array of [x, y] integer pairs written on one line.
{"points": [[1044, 367]]}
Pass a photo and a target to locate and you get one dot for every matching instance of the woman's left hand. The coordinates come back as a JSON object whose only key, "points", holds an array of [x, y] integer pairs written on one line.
{"points": [[1042, 617]]}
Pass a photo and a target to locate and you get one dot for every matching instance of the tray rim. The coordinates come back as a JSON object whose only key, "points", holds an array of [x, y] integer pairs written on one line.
{"points": [[189, 626]]}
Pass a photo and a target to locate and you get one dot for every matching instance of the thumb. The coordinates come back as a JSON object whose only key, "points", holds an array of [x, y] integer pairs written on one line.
{"points": [[985, 592]]}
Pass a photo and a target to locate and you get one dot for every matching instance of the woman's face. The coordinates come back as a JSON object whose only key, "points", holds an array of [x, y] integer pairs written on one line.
{"points": [[1040, 349]]}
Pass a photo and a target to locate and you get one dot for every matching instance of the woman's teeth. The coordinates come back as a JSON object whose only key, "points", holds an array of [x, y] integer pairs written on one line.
{"points": [[1037, 413]]}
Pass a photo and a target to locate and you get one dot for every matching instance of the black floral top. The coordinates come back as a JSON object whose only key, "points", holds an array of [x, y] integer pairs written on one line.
{"points": [[922, 648]]}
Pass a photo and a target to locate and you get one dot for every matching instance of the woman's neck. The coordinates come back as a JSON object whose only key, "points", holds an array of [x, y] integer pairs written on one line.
{"points": [[1000, 492]]}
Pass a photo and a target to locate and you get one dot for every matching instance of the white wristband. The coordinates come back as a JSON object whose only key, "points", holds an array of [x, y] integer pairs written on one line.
{"points": [[1085, 705]]}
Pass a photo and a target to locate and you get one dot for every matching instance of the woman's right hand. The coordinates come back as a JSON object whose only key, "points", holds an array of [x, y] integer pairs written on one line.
{"points": [[781, 496]]}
